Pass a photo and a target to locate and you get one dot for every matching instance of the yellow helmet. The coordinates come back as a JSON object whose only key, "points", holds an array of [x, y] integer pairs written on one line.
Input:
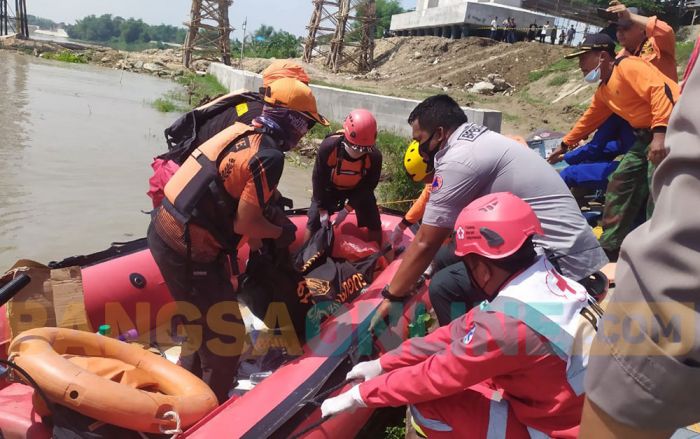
{"points": [[416, 166]]}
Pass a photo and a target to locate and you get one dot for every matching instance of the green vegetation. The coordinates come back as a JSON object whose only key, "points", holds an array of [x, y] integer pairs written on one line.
{"points": [[563, 65], [129, 33], [267, 42], [525, 96], [395, 184], [558, 80], [66, 56], [166, 104], [512, 118], [683, 51], [384, 10], [396, 432], [319, 132], [197, 90], [43, 23]]}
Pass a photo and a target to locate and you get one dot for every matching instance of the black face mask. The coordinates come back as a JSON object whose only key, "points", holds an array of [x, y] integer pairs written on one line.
{"points": [[428, 156]]}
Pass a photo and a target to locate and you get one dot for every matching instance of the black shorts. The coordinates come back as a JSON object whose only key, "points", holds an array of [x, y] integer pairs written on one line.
{"points": [[365, 207]]}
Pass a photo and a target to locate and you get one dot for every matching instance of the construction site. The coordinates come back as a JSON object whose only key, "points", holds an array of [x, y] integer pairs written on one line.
{"points": [[519, 80]]}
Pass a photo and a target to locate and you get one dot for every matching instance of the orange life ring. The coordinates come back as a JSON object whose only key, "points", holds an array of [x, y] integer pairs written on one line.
{"points": [[41, 353]]}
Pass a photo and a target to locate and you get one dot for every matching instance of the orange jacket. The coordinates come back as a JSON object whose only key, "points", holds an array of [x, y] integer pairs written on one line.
{"points": [[415, 213], [659, 48], [249, 169], [636, 91]]}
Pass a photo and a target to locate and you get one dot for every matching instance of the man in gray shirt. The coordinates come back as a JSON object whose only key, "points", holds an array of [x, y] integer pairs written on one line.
{"points": [[470, 161]]}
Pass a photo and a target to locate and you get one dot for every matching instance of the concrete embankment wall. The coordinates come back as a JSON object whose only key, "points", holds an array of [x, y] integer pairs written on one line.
{"points": [[335, 104]]}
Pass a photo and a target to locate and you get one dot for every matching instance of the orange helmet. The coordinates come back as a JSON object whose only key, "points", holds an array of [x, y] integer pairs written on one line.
{"points": [[284, 69], [294, 95]]}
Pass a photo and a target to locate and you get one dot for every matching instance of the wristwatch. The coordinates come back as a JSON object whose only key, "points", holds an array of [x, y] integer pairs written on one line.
{"points": [[390, 297]]}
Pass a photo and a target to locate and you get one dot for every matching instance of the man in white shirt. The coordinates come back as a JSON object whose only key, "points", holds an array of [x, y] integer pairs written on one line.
{"points": [[544, 32]]}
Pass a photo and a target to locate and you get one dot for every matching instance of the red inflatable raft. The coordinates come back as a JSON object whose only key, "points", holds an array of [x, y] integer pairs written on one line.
{"points": [[125, 280]]}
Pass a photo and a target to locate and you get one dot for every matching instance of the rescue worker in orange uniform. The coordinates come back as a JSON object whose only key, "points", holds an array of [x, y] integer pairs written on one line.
{"points": [[194, 128], [214, 202], [649, 38], [347, 170], [652, 40], [253, 106], [642, 95]]}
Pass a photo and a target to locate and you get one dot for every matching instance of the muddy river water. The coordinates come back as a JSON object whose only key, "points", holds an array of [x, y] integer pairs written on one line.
{"points": [[76, 143]]}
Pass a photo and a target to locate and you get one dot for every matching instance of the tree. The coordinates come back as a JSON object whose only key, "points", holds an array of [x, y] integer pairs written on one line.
{"points": [[264, 33], [267, 42], [114, 29], [43, 23], [385, 9], [133, 31], [282, 45]]}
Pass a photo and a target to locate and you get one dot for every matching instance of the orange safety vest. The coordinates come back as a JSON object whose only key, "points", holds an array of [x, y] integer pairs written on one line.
{"points": [[196, 193], [346, 174]]}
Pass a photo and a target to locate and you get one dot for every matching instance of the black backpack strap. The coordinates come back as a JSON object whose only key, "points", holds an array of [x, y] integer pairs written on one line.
{"points": [[339, 158], [366, 164], [619, 60]]}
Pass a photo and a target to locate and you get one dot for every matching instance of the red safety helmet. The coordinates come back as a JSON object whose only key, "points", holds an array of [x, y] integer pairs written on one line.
{"points": [[495, 226], [360, 128]]}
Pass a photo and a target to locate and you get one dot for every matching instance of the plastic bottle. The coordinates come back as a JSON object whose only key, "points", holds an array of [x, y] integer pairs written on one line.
{"points": [[105, 330]]}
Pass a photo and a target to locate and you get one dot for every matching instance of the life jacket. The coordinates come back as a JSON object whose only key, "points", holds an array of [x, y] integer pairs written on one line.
{"points": [[345, 173], [186, 133], [196, 193], [558, 309]]}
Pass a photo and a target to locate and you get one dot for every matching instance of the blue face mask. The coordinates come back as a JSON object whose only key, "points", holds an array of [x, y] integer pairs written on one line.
{"points": [[593, 77]]}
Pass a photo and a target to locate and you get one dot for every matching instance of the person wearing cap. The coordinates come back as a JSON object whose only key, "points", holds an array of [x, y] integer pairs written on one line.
{"points": [[194, 128], [470, 161], [215, 202], [346, 173], [249, 107], [512, 367], [649, 38], [643, 380], [639, 93]]}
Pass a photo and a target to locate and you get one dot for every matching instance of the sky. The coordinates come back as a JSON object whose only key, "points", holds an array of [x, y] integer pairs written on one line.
{"points": [[289, 15]]}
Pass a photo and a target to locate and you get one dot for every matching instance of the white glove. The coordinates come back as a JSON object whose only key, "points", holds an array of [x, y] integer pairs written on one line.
{"points": [[397, 235], [323, 216], [365, 371], [348, 401], [340, 217]]}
